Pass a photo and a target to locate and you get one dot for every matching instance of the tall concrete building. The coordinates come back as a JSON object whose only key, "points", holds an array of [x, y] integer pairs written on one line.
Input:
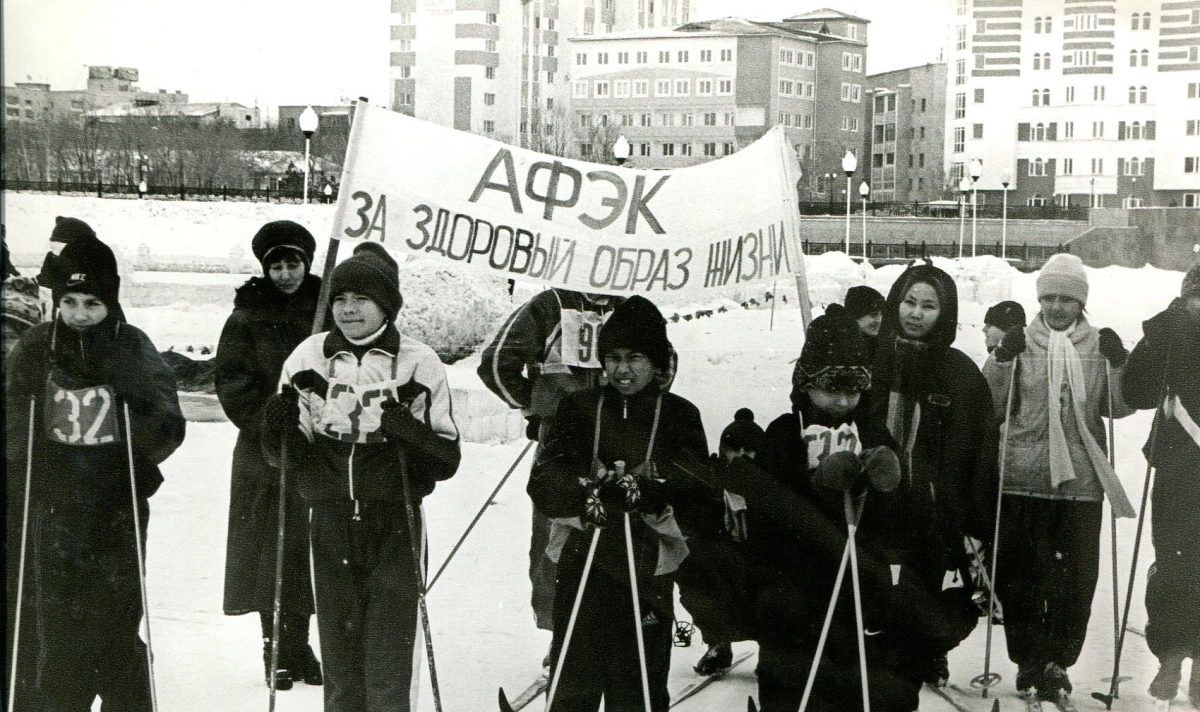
{"points": [[500, 67], [701, 90], [908, 118], [1076, 103]]}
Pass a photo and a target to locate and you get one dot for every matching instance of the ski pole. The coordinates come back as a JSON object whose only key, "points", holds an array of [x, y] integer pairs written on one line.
{"points": [[415, 546], [12, 686], [1112, 461], [137, 533], [989, 678], [837, 589], [637, 613], [279, 537], [478, 516], [562, 654], [852, 528]]}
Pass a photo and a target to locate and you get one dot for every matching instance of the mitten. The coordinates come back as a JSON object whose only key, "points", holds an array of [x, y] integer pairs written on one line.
{"points": [[1011, 346], [397, 423], [838, 471], [281, 412], [882, 468], [654, 495], [1112, 348], [533, 427]]}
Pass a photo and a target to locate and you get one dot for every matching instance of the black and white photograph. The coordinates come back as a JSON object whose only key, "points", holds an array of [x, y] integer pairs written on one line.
{"points": [[581, 355]]}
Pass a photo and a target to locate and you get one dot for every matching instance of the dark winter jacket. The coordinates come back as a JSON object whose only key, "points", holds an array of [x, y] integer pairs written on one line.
{"points": [[265, 327], [525, 365], [680, 457], [112, 354], [1166, 360]]}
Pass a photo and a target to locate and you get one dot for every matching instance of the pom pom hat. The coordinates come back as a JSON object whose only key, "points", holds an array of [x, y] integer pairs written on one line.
{"points": [[743, 432], [1064, 276], [373, 272]]}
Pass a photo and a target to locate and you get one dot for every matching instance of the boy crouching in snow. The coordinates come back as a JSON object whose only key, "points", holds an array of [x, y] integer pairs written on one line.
{"points": [[625, 447], [354, 401], [82, 600]]}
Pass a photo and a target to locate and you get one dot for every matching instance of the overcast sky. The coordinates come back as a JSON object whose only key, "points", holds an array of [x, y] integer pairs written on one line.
{"points": [[272, 52]]}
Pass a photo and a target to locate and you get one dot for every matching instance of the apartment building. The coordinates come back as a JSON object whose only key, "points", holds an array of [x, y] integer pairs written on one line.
{"points": [[499, 67], [1093, 103], [31, 101], [908, 119], [701, 90]]}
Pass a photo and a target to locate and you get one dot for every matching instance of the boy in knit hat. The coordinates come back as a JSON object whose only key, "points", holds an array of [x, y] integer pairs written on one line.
{"points": [[1161, 374], [355, 400], [82, 374], [1000, 319], [627, 448]]}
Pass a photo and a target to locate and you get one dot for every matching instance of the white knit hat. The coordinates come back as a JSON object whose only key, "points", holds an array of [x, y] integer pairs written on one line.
{"points": [[1063, 275]]}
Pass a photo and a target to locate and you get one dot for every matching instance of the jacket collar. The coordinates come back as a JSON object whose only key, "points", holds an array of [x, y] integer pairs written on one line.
{"points": [[388, 342]]}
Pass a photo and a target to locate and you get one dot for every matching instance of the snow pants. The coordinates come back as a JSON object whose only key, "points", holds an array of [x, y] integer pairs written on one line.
{"points": [[602, 658], [783, 671], [1049, 561], [367, 607], [87, 603], [713, 588], [1173, 584]]}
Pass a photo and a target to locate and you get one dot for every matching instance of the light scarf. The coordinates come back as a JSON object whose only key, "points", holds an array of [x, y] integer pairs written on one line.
{"points": [[1064, 365]]}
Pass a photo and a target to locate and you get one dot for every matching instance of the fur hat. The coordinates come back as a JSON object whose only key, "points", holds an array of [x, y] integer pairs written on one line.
{"points": [[283, 235], [637, 325], [69, 230], [862, 300], [1063, 275], [88, 266], [373, 272], [743, 432], [1191, 283], [1005, 316], [834, 357]]}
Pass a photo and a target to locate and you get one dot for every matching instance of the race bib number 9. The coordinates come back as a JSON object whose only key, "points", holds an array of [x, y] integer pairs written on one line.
{"points": [[822, 441], [581, 338], [86, 416]]}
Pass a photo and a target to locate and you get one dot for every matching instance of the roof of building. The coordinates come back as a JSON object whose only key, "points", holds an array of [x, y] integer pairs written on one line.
{"points": [[825, 13], [723, 27], [172, 110], [277, 162]]}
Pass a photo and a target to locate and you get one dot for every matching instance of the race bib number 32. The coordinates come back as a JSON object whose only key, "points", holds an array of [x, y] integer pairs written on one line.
{"points": [[580, 338], [85, 416]]}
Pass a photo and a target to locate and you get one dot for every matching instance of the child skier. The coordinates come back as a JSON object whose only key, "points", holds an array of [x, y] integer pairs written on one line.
{"points": [[628, 447], [83, 373], [797, 528], [1161, 372], [355, 401]]}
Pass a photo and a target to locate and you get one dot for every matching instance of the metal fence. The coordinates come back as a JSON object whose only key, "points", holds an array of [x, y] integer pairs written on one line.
{"points": [[1023, 256], [946, 210], [110, 190]]}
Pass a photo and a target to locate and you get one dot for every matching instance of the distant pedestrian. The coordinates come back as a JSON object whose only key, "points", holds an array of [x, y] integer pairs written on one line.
{"points": [[327, 193]]}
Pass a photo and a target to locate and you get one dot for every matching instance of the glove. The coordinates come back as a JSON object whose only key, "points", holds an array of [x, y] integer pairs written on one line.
{"points": [[533, 427], [1011, 346], [281, 412], [654, 495], [839, 471], [610, 491], [1112, 348], [882, 467], [397, 423]]}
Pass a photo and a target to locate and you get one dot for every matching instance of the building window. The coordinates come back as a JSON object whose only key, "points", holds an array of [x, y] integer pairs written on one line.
{"points": [[662, 87], [980, 27], [643, 149], [626, 120], [1089, 21], [960, 72], [1068, 166], [706, 55], [1069, 129], [489, 126], [728, 118], [642, 57], [785, 87], [1039, 132], [622, 58], [1037, 25], [1133, 167], [601, 90], [602, 58], [580, 59], [489, 99], [727, 148], [845, 91], [489, 73], [960, 139], [664, 57], [1192, 126], [585, 149], [405, 18], [579, 90], [685, 119], [585, 120], [1191, 164], [961, 8], [641, 87], [489, 45], [922, 132], [666, 119], [856, 93], [726, 55], [1098, 92], [491, 18], [683, 56], [1193, 90], [960, 106], [668, 149], [1069, 97], [725, 86], [710, 149], [621, 88], [1085, 57], [920, 160], [682, 87], [853, 123], [976, 131], [1098, 166], [685, 149], [1097, 129], [960, 40], [405, 45], [703, 87], [1037, 167], [647, 120], [710, 118]]}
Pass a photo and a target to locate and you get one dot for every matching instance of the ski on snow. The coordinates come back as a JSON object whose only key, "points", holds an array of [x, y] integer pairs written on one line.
{"points": [[941, 692], [697, 685], [529, 695], [1162, 705], [1032, 703]]}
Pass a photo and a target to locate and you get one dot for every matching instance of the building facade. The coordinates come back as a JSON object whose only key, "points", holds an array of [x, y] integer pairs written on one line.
{"points": [[908, 110], [35, 101], [699, 91], [499, 67], [1093, 103]]}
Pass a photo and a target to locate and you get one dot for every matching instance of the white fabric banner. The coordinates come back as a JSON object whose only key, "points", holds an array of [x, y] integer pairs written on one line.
{"points": [[428, 190]]}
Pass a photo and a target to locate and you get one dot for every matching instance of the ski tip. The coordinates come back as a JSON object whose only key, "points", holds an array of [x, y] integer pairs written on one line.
{"points": [[996, 706], [750, 706], [503, 701]]}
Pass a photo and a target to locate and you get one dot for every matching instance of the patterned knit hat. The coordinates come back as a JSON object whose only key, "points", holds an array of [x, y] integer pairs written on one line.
{"points": [[743, 432], [373, 272], [1191, 283], [834, 357], [22, 305]]}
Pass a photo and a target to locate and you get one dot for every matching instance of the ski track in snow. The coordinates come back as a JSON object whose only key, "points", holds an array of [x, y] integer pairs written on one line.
{"points": [[483, 629]]}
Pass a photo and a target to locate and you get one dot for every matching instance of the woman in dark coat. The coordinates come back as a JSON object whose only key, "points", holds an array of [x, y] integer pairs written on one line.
{"points": [[932, 404], [272, 314]]}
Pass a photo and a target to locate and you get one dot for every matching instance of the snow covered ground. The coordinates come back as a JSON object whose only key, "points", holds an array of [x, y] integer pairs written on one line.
{"points": [[483, 631]]}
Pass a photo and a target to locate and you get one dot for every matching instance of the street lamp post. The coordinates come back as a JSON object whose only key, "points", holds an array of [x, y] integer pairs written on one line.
{"points": [[964, 186], [849, 164], [1004, 222], [864, 191], [308, 126], [1133, 192], [976, 171], [620, 150]]}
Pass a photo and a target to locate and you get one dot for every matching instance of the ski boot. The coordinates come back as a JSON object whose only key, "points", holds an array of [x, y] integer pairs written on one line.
{"points": [[937, 674], [718, 658], [1056, 687], [283, 676], [1028, 678], [306, 667], [1166, 683]]}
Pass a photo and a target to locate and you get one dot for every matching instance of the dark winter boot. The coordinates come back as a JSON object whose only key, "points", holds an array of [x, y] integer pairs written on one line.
{"points": [[306, 667], [1166, 683], [938, 673], [283, 676], [1054, 682], [718, 659], [1028, 677]]}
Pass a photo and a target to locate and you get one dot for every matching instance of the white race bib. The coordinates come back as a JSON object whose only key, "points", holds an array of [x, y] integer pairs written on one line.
{"points": [[581, 338], [821, 441], [351, 413], [82, 416]]}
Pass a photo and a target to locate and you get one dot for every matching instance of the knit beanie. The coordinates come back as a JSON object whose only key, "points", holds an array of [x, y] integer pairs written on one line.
{"points": [[22, 303], [373, 272], [88, 266], [1063, 275], [862, 300], [1191, 283], [69, 230], [1005, 316], [637, 325], [743, 432], [834, 357], [283, 235]]}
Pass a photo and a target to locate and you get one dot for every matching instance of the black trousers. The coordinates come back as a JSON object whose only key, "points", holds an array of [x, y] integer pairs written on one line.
{"points": [[367, 605], [602, 658], [1047, 566], [892, 684], [541, 572], [713, 588], [1173, 584]]}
